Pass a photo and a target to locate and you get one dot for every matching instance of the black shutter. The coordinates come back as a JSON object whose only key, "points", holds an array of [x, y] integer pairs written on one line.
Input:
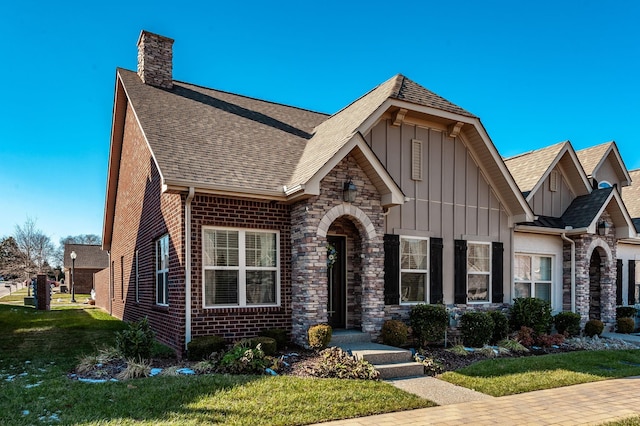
{"points": [[632, 283], [497, 272], [460, 272], [391, 269], [619, 282], [435, 270]]}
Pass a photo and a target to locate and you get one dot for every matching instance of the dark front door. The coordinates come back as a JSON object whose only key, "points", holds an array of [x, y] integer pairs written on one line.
{"points": [[336, 281], [595, 269]]}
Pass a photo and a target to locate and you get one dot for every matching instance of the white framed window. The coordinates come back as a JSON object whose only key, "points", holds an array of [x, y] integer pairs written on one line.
{"points": [[478, 272], [533, 276], [162, 270], [414, 270], [241, 267]]}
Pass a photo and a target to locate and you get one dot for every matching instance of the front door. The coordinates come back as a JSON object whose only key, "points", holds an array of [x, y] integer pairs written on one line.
{"points": [[336, 281]]}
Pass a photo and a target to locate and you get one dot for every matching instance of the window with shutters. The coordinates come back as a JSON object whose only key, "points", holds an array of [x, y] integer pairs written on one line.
{"points": [[533, 276], [241, 267], [478, 272], [414, 261], [416, 159], [162, 270]]}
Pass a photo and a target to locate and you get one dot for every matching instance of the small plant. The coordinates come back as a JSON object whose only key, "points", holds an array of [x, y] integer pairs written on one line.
{"points": [[202, 347], [431, 366], [394, 333], [488, 351], [476, 328], [205, 367], [267, 344], [135, 369], [279, 334], [626, 312], [429, 322], [87, 363], [158, 350], [593, 327], [531, 312], [242, 359], [548, 340], [458, 350], [336, 363], [567, 323], [136, 341], [319, 336], [525, 336], [513, 346], [625, 325], [500, 326]]}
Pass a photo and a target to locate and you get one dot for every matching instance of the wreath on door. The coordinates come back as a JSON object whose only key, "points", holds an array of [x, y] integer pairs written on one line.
{"points": [[332, 255]]}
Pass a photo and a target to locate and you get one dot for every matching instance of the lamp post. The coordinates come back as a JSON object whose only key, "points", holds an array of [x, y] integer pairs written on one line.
{"points": [[73, 278]]}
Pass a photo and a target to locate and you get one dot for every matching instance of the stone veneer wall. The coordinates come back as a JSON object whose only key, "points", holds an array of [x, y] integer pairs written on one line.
{"points": [[310, 221], [155, 60], [585, 245]]}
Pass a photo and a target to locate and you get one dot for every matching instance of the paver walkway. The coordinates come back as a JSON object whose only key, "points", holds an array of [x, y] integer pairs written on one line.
{"points": [[585, 404]]}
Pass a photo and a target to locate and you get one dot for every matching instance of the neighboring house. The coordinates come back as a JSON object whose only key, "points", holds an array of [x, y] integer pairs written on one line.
{"points": [[226, 214], [90, 259]]}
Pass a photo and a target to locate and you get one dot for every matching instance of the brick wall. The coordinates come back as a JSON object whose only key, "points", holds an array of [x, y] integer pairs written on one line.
{"points": [[101, 282]]}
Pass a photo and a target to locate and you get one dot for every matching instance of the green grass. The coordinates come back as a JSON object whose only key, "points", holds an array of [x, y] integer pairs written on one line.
{"points": [[631, 421], [46, 346], [499, 377]]}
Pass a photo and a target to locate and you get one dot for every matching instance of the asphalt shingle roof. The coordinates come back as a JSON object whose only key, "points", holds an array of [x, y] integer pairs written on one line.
{"points": [[590, 157], [88, 256], [631, 194], [583, 209], [528, 168]]}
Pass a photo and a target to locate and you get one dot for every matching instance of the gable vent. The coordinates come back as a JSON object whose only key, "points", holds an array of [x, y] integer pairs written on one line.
{"points": [[416, 159], [553, 180]]}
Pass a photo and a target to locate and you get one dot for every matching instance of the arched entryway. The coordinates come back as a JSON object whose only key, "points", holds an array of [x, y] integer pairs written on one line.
{"points": [[595, 285]]}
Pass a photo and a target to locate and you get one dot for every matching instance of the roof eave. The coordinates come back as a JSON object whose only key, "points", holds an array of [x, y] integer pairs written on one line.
{"points": [[549, 231]]}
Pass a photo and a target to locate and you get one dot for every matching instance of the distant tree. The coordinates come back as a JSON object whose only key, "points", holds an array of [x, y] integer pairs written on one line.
{"points": [[12, 261], [34, 244]]}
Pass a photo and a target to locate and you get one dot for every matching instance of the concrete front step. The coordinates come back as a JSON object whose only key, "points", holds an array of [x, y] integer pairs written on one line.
{"points": [[398, 370], [345, 337], [391, 362]]}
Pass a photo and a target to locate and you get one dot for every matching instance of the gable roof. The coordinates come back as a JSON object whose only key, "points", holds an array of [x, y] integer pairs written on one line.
{"points": [[631, 194], [592, 159], [89, 256]]}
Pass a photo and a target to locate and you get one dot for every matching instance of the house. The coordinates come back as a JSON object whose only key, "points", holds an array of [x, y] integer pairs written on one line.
{"points": [[227, 215], [90, 259]]}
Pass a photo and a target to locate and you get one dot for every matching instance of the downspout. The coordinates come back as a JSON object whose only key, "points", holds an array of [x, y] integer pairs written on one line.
{"points": [[187, 267], [573, 270]]}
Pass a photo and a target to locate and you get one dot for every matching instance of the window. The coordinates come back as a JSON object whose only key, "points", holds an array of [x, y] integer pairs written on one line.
{"points": [[162, 270], [137, 276], [241, 267], [604, 184], [532, 276], [478, 272], [414, 258]]}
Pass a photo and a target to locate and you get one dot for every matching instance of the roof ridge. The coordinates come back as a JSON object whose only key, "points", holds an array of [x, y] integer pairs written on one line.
{"points": [[367, 94], [535, 150]]}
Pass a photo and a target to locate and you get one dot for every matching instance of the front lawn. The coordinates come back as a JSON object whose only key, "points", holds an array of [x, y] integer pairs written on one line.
{"points": [[499, 377], [38, 349]]}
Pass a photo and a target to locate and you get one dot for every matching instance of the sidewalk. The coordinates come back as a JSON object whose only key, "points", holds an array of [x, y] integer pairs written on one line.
{"points": [[585, 404]]}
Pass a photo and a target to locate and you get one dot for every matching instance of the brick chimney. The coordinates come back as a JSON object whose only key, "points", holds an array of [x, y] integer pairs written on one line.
{"points": [[155, 60]]}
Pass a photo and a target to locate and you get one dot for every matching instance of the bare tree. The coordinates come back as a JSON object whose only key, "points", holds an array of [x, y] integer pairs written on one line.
{"points": [[36, 247]]}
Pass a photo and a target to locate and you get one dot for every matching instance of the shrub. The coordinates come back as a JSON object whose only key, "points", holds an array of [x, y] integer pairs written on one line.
{"points": [[593, 328], [429, 322], [567, 323], [625, 325], [431, 366], [267, 344], [626, 312], [337, 363], [158, 350], [531, 312], [202, 347], [242, 359], [548, 340], [525, 336], [512, 346], [135, 369], [279, 334], [136, 340], [500, 326], [476, 328], [394, 333], [319, 336]]}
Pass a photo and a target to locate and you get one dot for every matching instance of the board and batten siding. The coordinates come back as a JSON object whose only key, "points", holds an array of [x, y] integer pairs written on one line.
{"points": [[552, 203], [453, 200]]}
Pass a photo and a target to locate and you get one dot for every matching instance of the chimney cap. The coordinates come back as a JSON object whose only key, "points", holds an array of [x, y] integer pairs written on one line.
{"points": [[149, 33]]}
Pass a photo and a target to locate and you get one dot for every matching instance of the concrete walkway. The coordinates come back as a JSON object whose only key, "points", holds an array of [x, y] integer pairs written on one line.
{"points": [[585, 404]]}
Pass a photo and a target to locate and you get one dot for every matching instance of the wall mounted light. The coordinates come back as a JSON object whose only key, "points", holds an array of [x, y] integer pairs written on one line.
{"points": [[349, 191], [603, 228]]}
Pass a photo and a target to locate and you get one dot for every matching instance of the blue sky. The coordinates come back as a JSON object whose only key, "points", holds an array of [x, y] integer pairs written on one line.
{"points": [[535, 72]]}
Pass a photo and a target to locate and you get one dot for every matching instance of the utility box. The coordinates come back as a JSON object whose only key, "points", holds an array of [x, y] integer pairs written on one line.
{"points": [[43, 294]]}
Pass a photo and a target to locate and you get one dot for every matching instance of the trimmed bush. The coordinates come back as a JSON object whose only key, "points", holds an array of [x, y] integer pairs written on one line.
{"points": [[626, 312], [548, 340], [339, 364], [593, 328], [531, 312], [202, 347], [500, 326], [319, 335], [267, 344], [476, 328], [394, 333], [525, 336], [625, 325], [567, 323], [279, 334], [429, 322], [136, 341]]}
